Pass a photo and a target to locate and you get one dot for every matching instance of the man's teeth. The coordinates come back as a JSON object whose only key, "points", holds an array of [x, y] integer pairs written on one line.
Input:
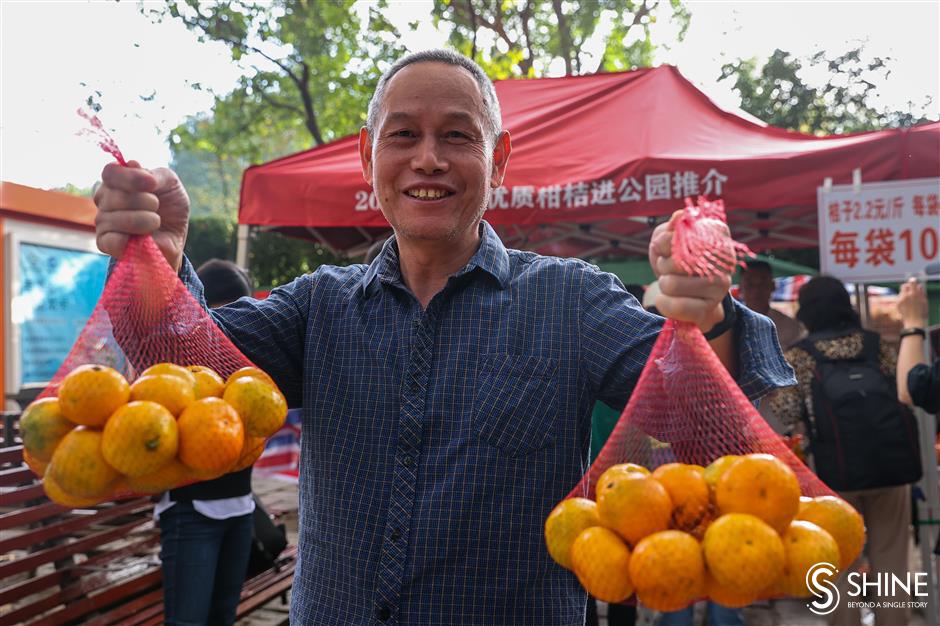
{"points": [[432, 194]]}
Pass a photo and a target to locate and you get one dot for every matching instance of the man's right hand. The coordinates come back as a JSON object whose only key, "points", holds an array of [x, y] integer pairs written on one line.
{"points": [[134, 201]]}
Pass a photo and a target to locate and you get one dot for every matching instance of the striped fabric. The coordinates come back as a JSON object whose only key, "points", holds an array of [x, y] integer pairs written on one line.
{"points": [[436, 441]]}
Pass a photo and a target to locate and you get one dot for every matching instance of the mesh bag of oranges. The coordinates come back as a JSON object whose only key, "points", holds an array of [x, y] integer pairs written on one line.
{"points": [[152, 395], [694, 496]]}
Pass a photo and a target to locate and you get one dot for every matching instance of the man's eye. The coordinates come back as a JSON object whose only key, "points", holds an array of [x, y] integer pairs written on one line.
{"points": [[403, 133], [456, 134]]}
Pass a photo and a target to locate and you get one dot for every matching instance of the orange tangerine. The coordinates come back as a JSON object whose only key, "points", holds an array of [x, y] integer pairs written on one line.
{"points": [[42, 427], [743, 553], [805, 545], [634, 505], [601, 561], [761, 485], [171, 475], [667, 570], [250, 372], [79, 467], [839, 519], [688, 491], [140, 438], [170, 391], [38, 467], [726, 596], [55, 493], [208, 383], [89, 394], [170, 369], [261, 406], [251, 452], [211, 436], [565, 523]]}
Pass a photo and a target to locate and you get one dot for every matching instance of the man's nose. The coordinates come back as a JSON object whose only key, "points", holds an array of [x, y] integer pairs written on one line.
{"points": [[428, 157]]}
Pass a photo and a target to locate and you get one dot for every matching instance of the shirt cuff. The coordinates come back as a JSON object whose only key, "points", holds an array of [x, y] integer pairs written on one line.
{"points": [[761, 363]]}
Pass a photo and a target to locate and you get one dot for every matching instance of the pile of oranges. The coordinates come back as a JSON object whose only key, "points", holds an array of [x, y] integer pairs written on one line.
{"points": [[102, 437], [736, 531]]}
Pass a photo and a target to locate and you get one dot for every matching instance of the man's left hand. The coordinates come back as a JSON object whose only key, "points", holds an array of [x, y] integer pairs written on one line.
{"points": [[682, 296]]}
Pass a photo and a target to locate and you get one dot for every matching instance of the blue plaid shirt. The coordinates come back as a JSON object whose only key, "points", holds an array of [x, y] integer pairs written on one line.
{"points": [[435, 442]]}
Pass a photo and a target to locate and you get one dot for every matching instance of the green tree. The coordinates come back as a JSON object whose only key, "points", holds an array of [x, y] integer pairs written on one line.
{"points": [[777, 93], [524, 36]]}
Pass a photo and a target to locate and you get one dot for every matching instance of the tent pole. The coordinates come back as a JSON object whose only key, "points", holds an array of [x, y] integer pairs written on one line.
{"points": [[241, 250], [861, 301]]}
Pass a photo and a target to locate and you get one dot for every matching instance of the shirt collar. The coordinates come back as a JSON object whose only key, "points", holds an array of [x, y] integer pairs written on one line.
{"points": [[491, 257]]}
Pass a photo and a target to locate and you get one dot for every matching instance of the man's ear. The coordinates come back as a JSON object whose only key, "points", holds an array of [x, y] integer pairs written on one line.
{"points": [[365, 154], [501, 152]]}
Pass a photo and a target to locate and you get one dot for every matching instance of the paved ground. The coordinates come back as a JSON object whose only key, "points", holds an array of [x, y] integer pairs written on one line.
{"points": [[281, 497]]}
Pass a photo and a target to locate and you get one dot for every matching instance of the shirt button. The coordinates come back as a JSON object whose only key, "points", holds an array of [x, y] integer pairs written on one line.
{"points": [[396, 535], [407, 460], [383, 613], [414, 386]]}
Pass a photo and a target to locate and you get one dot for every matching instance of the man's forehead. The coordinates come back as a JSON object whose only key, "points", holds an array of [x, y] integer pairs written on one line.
{"points": [[450, 90], [450, 115]]}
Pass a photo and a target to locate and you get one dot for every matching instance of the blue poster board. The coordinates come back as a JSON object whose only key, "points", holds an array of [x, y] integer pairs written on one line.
{"points": [[57, 292]]}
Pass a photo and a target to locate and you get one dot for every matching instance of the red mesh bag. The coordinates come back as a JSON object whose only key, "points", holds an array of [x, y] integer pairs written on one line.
{"points": [[694, 496], [152, 395]]}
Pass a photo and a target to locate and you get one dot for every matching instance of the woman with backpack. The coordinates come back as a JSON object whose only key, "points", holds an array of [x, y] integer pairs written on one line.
{"points": [[863, 441]]}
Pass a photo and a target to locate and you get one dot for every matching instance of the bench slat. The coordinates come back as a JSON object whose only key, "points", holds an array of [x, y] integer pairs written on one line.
{"points": [[22, 517], [59, 552], [16, 476], [60, 576], [70, 525], [11, 454], [132, 610], [78, 608], [22, 494]]}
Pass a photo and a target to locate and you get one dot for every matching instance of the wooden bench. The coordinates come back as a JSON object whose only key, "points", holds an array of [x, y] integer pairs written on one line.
{"points": [[98, 565]]}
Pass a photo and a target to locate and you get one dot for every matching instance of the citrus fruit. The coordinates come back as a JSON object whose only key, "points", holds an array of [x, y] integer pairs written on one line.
{"points": [[167, 477], [726, 596], [170, 391], [250, 372], [688, 491], [762, 485], [170, 369], [208, 383], [140, 438], [260, 405], [839, 519], [59, 496], [601, 561], [210, 436], [42, 427], [717, 467], [667, 570], [38, 467], [89, 394], [634, 505], [79, 467], [252, 449], [743, 553], [805, 544], [565, 523]]}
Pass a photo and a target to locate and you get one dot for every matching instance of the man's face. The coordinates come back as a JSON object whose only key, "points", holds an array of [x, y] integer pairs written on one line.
{"points": [[757, 286], [430, 162]]}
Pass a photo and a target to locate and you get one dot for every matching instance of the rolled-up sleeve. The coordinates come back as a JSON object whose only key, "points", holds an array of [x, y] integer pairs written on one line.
{"points": [[617, 337], [269, 332], [923, 383]]}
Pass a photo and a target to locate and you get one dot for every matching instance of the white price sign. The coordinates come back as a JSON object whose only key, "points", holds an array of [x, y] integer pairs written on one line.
{"points": [[880, 231]]}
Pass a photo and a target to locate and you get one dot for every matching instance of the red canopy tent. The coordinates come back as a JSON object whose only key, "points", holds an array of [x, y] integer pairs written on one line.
{"points": [[595, 158]]}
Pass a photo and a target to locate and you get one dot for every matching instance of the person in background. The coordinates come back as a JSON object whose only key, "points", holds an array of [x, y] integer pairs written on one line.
{"points": [[757, 288], [836, 335], [205, 528], [918, 383]]}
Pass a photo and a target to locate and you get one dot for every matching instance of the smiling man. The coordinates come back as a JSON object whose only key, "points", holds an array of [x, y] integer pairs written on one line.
{"points": [[447, 387]]}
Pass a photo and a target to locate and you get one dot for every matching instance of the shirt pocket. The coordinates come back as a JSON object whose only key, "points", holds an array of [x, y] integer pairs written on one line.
{"points": [[516, 403]]}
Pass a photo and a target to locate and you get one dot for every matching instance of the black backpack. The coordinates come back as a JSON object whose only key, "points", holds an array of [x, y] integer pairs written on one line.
{"points": [[863, 437]]}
